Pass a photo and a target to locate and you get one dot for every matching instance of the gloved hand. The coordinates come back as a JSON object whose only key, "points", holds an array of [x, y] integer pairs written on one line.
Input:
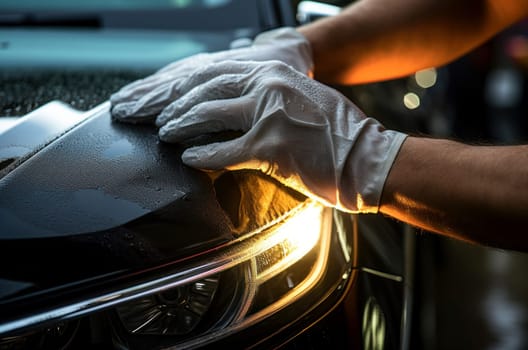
{"points": [[142, 100], [301, 132]]}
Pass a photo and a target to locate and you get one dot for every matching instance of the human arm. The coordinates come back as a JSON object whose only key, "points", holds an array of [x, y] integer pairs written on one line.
{"points": [[374, 40], [477, 194], [311, 138]]}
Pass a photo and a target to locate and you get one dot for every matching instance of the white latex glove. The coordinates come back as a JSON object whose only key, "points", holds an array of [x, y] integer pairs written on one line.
{"points": [[142, 100], [301, 132]]}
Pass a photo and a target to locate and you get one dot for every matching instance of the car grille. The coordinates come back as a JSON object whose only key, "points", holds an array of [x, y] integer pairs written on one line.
{"points": [[23, 91]]}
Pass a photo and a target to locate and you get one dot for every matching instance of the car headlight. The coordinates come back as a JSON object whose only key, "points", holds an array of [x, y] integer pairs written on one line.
{"points": [[174, 312], [253, 278], [271, 276]]}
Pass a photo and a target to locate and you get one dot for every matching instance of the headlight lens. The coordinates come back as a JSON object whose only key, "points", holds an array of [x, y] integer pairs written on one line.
{"points": [[261, 274], [174, 312]]}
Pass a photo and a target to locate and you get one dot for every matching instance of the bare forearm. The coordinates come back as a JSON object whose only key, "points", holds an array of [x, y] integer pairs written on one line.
{"points": [[474, 193], [375, 40]]}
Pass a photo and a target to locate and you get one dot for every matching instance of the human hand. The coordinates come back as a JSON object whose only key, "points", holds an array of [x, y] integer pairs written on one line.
{"points": [[299, 131], [143, 100]]}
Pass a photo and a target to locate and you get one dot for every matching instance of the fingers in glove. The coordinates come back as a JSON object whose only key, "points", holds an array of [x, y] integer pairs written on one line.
{"points": [[168, 90], [219, 88], [148, 106], [230, 155], [209, 117], [144, 98], [135, 90], [214, 70]]}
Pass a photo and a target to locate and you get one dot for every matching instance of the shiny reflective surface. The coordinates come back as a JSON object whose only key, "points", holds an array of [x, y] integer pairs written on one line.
{"points": [[110, 191], [92, 185], [26, 134]]}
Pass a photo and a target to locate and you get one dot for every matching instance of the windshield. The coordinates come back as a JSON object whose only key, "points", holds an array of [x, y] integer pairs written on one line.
{"points": [[37, 5]]}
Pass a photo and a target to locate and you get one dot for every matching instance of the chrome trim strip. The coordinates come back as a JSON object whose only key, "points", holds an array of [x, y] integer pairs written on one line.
{"points": [[382, 274]]}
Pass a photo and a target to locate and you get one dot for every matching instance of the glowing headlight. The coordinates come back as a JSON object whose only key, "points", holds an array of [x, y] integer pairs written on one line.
{"points": [[291, 241], [244, 283]]}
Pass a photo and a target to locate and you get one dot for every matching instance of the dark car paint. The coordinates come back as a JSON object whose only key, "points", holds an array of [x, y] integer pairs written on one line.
{"points": [[111, 191], [101, 175]]}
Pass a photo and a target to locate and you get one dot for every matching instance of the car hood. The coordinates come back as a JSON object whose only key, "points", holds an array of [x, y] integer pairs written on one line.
{"points": [[99, 175], [106, 198]]}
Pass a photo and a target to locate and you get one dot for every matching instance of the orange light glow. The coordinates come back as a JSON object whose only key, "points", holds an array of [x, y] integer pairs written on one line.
{"points": [[292, 240]]}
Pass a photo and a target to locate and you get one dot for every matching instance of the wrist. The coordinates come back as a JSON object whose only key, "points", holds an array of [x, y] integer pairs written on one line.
{"points": [[292, 48], [367, 167]]}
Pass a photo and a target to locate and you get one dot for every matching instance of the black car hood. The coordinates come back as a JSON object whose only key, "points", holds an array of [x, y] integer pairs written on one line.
{"points": [[108, 198], [98, 176]]}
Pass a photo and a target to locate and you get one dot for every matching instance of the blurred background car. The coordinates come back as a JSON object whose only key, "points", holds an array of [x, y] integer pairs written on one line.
{"points": [[109, 241]]}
